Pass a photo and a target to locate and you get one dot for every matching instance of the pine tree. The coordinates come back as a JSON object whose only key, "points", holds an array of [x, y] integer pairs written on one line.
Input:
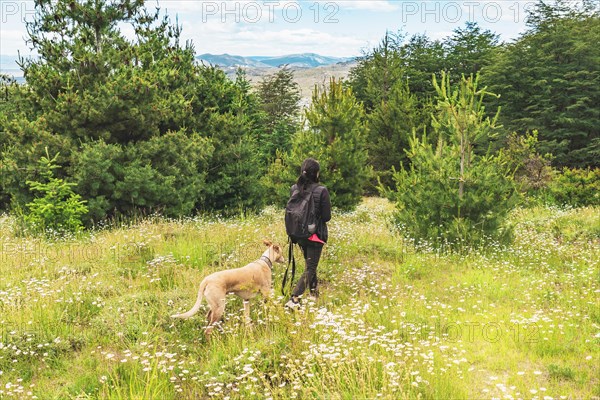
{"points": [[549, 81], [90, 82], [336, 137], [469, 49], [228, 112], [378, 71], [380, 83], [450, 195], [279, 96], [462, 120], [55, 209], [423, 59], [390, 127], [394, 82]]}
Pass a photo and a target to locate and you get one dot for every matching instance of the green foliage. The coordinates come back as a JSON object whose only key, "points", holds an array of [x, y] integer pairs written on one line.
{"points": [[396, 59], [424, 58], [228, 114], [466, 51], [394, 83], [549, 81], [98, 167], [575, 187], [279, 99], [278, 180], [430, 208], [165, 174], [470, 49], [532, 171], [450, 194], [378, 71], [336, 137], [26, 143], [235, 169], [380, 82], [461, 117], [55, 209], [390, 127], [139, 126], [90, 82]]}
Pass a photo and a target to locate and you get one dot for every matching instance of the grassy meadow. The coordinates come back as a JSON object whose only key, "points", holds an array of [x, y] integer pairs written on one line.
{"points": [[89, 318]]}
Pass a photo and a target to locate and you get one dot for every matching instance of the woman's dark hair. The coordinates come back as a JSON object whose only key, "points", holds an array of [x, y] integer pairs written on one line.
{"points": [[309, 173]]}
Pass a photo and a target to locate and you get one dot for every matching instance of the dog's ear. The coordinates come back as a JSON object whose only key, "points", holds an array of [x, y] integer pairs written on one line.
{"points": [[267, 242], [277, 248]]}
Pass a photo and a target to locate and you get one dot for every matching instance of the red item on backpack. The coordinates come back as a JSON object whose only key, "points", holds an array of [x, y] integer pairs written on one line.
{"points": [[315, 238]]}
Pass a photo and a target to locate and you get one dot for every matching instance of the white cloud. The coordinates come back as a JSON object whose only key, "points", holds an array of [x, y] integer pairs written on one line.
{"points": [[227, 10], [232, 26], [255, 40], [179, 6], [12, 41], [367, 5], [301, 40], [192, 29]]}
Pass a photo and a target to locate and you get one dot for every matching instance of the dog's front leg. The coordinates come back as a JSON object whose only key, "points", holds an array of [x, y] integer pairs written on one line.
{"points": [[268, 297]]}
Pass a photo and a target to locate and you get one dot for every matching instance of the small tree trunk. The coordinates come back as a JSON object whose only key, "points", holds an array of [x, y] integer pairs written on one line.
{"points": [[98, 40]]}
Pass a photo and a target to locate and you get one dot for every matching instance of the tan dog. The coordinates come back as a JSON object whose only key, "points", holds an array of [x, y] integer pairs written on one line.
{"points": [[246, 282]]}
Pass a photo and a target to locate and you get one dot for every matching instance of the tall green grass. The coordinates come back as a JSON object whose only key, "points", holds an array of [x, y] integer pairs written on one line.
{"points": [[89, 318]]}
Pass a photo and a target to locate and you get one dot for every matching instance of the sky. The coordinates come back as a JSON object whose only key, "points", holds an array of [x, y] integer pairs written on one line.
{"points": [[270, 28]]}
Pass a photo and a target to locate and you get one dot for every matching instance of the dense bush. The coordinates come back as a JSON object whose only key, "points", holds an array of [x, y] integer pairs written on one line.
{"points": [[532, 170], [575, 187], [278, 180], [430, 208], [165, 174], [55, 209]]}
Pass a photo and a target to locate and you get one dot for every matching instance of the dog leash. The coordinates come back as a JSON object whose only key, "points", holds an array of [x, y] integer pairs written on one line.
{"points": [[292, 262]]}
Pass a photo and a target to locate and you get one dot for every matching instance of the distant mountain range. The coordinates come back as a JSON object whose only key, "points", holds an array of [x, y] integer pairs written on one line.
{"points": [[256, 66], [304, 60]]}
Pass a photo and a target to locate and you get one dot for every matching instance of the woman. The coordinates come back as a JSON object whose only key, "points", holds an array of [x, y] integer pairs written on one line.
{"points": [[312, 246]]}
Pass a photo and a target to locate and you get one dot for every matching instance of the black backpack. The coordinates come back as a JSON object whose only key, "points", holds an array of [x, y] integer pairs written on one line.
{"points": [[300, 214]]}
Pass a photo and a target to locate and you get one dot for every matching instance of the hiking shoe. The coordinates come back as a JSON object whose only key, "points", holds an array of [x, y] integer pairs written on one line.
{"points": [[292, 305]]}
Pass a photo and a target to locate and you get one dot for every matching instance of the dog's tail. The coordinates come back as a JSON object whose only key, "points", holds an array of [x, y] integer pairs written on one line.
{"points": [[196, 306]]}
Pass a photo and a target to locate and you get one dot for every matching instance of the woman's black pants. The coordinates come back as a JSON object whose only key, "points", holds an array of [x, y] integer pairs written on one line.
{"points": [[312, 255]]}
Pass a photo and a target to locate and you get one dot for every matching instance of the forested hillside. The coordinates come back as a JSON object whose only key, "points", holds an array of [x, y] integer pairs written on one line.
{"points": [[128, 127]]}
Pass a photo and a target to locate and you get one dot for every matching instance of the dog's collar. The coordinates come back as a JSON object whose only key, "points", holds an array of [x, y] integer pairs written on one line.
{"points": [[267, 260]]}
